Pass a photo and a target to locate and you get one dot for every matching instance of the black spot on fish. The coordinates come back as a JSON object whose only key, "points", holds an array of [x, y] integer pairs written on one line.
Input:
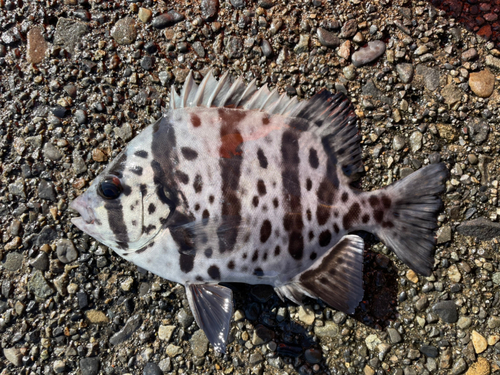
{"points": [[264, 208], [205, 215], [262, 158], [148, 229], [197, 183], [137, 170], [208, 252], [258, 272], [118, 166], [324, 238], [365, 218], [277, 251], [199, 278], [309, 184], [141, 153], [345, 197], [374, 201], [387, 224], [352, 216], [197, 207], [126, 189], [244, 256], [261, 187], [265, 119], [265, 231], [211, 199], [311, 235], [275, 202], [134, 223], [184, 178], [296, 245], [116, 222], [214, 272], [386, 201], [309, 215], [195, 120], [313, 158], [230, 265], [189, 153], [255, 256], [313, 256], [264, 257], [151, 208], [378, 215], [186, 262], [255, 201], [141, 250], [336, 228]]}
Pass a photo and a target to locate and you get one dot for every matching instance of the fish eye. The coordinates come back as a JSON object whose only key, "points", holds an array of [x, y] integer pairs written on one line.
{"points": [[110, 188]]}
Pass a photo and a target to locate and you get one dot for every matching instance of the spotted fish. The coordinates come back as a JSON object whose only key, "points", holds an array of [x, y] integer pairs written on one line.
{"points": [[239, 184]]}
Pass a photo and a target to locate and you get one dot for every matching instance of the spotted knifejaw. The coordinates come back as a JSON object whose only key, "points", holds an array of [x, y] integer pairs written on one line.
{"points": [[239, 184]]}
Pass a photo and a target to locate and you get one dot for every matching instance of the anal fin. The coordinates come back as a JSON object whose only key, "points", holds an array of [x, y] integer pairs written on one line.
{"points": [[336, 277], [212, 307]]}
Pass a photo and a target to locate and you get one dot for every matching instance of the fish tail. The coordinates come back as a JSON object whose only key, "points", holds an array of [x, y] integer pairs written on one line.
{"points": [[406, 216]]}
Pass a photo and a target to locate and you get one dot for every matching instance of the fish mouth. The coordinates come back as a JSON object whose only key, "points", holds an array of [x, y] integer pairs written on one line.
{"points": [[86, 217]]}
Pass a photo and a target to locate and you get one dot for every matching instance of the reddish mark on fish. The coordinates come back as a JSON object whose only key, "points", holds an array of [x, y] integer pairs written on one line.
{"points": [[231, 143]]}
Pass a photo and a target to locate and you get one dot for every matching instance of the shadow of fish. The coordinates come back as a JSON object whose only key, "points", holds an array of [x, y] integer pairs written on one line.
{"points": [[239, 184]]}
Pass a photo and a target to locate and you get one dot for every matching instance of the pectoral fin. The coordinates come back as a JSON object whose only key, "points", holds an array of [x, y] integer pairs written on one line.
{"points": [[336, 277], [212, 307]]}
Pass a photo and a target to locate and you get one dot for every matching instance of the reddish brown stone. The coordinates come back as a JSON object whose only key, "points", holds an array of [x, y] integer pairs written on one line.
{"points": [[36, 46]]}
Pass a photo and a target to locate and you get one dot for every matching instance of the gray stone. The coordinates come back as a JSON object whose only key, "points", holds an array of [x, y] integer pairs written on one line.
{"points": [[66, 251], [416, 141], [327, 38], [255, 358], [199, 343], [69, 32], [313, 356], [167, 19], [398, 143], [46, 190], [459, 367], [447, 311], [429, 351], [394, 335], [198, 49], [79, 165], [151, 369], [124, 31], [451, 94], [41, 262], [478, 130], [405, 72], [267, 49], [14, 356], [496, 278], [17, 188], [444, 235], [52, 152], [261, 335], [46, 236], [303, 45], [59, 366], [330, 329], [349, 29], [39, 286], [184, 318], [238, 4], [481, 228], [366, 55], [132, 324], [90, 366], [493, 62], [81, 116], [13, 261], [209, 8], [124, 132], [470, 54], [234, 47], [430, 76]]}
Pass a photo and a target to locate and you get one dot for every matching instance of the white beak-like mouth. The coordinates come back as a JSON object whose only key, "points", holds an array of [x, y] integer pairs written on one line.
{"points": [[86, 215]]}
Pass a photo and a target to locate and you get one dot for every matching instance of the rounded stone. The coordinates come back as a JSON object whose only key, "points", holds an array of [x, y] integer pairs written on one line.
{"points": [[366, 55], [327, 38], [124, 31], [66, 251], [482, 83]]}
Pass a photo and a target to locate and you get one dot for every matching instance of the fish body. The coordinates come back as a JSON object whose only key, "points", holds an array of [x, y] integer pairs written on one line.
{"points": [[236, 184]]}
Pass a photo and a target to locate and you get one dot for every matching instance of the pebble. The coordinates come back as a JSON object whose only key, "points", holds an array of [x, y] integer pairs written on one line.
{"points": [[165, 332], [69, 32], [198, 49], [173, 350], [454, 274], [132, 324], [482, 83], [405, 72], [209, 8], [451, 94], [306, 315], [13, 261], [398, 143], [416, 141], [151, 368], [327, 38], [345, 50], [235, 47], [303, 45], [479, 342], [429, 351], [199, 343], [96, 316], [349, 29], [446, 132], [185, 318], [39, 286], [255, 358], [459, 367], [496, 278], [372, 341], [52, 152], [124, 132], [394, 335], [481, 228], [430, 76], [492, 62], [167, 19], [313, 355], [479, 129], [90, 366], [480, 367], [349, 72], [444, 235], [447, 311], [144, 15], [262, 335], [81, 116], [124, 32], [36, 46], [66, 251], [469, 54], [366, 55], [41, 262], [329, 329], [14, 356], [59, 366]]}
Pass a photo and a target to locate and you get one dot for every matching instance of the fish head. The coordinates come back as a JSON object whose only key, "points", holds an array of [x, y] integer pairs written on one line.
{"points": [[121, 208]]}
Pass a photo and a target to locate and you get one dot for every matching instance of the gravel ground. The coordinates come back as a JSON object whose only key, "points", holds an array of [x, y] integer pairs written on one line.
{"points": [[79, 79]]}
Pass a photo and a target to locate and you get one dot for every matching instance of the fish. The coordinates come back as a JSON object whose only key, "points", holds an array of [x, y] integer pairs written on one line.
{"points": [[236, 183]]}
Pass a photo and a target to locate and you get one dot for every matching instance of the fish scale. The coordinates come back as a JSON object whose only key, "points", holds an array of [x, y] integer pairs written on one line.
{"points": [[239, 184]]}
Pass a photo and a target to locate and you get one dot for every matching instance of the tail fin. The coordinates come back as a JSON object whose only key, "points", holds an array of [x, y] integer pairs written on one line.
{"points": [[410, 216]]}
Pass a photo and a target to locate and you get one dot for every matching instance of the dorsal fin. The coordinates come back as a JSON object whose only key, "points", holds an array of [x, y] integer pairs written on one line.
{"points": [[330, 116]]}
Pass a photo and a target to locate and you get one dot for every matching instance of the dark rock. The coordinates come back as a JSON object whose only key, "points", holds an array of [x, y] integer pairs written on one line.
{"points": [[59, 111], [481, 228], [66, 251], [478, 130], [327, 38], [198, 49], [266, 4], [267, 49], [349, 29], [13, 261], [126, 332], [41, 262], [82, 14], [69, 32], [90, 366], [366, 55], [46, 236], [313, 355], [46, 191], [238, 4], [147, 62], [429, 351], [81, 116], [209, 8], [167, 19], [235, 47], [447, 311], [83, 299], [429, 76], [150, 47], [152, 368]]}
